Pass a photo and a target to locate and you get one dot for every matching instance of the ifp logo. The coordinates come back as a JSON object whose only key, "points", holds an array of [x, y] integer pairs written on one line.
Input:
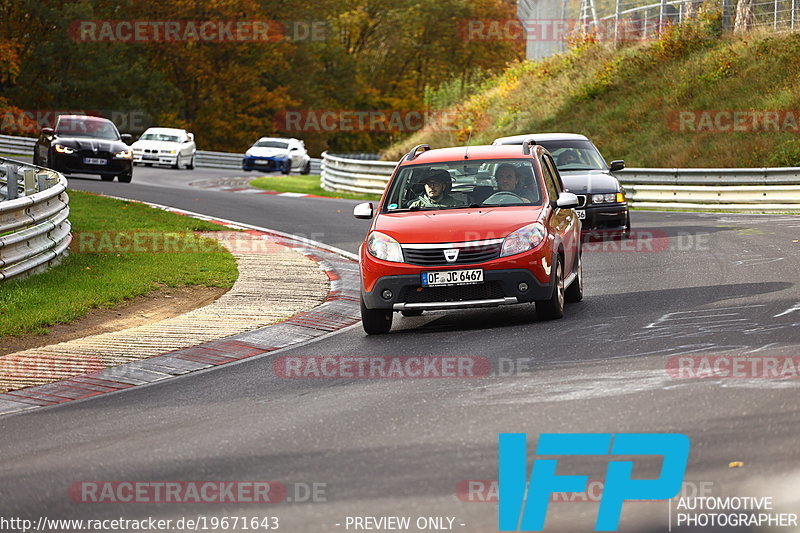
{"points": [[521, 512]]}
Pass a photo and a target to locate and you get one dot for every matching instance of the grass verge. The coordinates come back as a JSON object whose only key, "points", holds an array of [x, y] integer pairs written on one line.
{"points": [[306, 185], [104, 275]]}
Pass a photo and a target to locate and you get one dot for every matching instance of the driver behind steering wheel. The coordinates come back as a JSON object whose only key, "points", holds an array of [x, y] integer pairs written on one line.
{"points": [[507, 180]]}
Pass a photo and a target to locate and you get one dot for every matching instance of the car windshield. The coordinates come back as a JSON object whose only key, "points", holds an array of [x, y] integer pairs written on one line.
{"points": [[271, 144], [459, 184], [575, 155], [160, 137], [87, 127]]}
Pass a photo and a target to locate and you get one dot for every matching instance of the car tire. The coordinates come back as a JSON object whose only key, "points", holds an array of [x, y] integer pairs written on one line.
{"points": [[553, 307], [107, 178], [627, 233], [190, 166], [412, 312], [177, 164], [375, 321], [288, 169], [125, 178], [36, 157], [574, 292], [306, 169]]}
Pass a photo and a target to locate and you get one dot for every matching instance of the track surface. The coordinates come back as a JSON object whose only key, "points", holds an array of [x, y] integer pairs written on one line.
{"points": [[716, 285]]}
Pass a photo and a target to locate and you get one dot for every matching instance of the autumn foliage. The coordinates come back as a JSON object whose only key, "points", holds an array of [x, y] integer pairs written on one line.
{"points": [[346, 55]]}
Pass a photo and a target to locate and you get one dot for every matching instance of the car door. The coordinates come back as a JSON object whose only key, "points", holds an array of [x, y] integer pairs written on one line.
{"points": [[563, 221]]}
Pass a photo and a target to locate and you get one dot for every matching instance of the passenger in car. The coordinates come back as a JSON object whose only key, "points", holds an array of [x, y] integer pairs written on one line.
{"points": [[437, 191], [508, 181]]}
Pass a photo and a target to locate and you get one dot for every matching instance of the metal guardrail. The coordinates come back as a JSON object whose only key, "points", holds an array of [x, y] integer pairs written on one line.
{"points": [[203, 159], [34, 230], [351, 174], [755, 189]]}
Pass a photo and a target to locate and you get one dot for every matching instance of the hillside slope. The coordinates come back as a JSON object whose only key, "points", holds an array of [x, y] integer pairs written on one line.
{"points": [[694, 98]]}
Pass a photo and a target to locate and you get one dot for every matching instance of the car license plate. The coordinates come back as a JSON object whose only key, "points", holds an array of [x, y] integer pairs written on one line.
{"points": [[581, 214], [452, 277], [94, 161], [260, 161]]}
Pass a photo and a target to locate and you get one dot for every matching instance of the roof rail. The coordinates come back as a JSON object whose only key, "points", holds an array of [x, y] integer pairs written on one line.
{"points": [[526, 146], [413, 153]]}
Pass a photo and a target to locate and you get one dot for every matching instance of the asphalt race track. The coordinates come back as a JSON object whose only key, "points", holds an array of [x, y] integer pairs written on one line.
{"points": [[685, 285]]}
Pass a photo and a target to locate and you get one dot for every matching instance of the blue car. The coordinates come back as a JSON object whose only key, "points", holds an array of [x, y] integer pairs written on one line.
{"points": [[270, 154]]}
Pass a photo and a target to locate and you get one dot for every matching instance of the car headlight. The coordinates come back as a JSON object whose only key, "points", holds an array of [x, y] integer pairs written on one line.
{"points": [[125, 154], [63, 149], [384, 247], [524, 239], [608, 198]]}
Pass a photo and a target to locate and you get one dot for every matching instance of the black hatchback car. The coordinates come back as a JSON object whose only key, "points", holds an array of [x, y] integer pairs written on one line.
{"points": [[85, 145], [603, 206]]}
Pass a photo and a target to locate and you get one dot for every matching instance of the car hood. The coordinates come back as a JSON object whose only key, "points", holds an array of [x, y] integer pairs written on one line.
{"points": [[456, 225], [264, 151], [592, 181], [89, 143], [159, 145]]}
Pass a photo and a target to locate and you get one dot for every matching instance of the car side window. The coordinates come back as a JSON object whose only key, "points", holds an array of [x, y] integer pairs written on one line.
{"points": [[549, 181], [554, 172]]}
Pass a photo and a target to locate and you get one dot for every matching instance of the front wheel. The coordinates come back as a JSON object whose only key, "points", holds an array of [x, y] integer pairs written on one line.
{"points": [[178, 162], [125, 178], [190, 166], [375, 321], [553, 307], [104, 177], [627, 233], [306, 169], [287, 169]]}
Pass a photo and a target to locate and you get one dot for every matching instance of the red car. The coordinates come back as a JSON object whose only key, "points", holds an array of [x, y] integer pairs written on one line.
{"points": [[476, 226]]}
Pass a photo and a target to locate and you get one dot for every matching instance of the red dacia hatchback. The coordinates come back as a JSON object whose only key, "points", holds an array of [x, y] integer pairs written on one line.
{"points": [[476, 226]]}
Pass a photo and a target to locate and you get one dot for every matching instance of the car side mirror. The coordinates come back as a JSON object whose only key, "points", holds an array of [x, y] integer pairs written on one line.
{"points": [[567, 200], [48, 131], [365, 210], [191, 137], [127, 138], [619, 164]]}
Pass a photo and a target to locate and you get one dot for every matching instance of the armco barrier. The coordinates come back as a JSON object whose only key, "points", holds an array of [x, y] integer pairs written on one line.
{"points": [[753, 189], [349, 174], [24, 146], [34, 230]]}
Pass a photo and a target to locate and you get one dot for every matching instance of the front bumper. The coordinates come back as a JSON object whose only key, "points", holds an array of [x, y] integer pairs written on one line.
{"points": [[157, 159], [605, 217], [266, 164], [74, 164], [500, 287]]}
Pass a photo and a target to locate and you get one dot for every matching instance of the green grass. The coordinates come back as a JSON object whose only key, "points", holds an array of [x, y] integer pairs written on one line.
{"points": [[109, 275], [627, 99], [306, 185]]}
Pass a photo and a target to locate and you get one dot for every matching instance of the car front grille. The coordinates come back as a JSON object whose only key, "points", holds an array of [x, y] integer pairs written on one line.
{"points": [[458, 293], [467, 255]]}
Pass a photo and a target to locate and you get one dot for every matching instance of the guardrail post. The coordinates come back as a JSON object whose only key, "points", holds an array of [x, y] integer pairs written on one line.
{"points": [[616, 22], [794, 10], [41, 181], [30, 181], [12, 182]]}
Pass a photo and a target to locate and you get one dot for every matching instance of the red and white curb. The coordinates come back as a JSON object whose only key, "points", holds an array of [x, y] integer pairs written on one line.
{"points": [[340, 310]]}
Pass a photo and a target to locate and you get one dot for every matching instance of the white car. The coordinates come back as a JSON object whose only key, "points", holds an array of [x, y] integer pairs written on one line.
{"points": [[275, 154], [165, 146]]}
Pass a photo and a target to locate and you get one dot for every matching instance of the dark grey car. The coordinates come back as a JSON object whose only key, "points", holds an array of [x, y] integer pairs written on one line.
{"points": [[603, 205]]}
